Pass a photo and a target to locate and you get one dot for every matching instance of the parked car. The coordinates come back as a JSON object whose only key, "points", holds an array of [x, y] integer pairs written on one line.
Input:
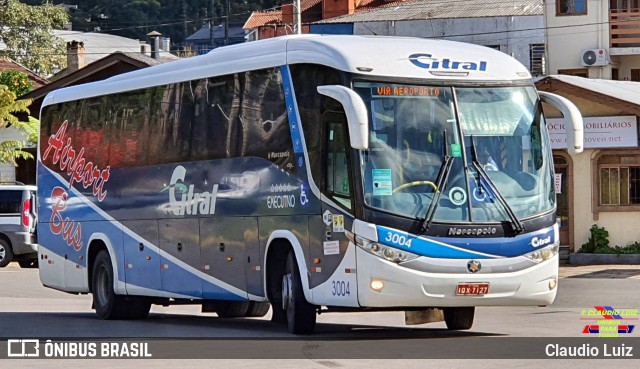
{"points": [[18, 238]]}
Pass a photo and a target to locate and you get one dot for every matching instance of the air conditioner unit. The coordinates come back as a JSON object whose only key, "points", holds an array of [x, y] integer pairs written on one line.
{"points": [[595, 58]]}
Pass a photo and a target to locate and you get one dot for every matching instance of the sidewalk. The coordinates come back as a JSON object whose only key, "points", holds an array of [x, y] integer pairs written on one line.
{"points": [[624, 271]]}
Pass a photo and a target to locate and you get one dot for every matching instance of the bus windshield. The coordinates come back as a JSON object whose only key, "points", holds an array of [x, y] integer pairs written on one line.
{"points": [[481, 153]]}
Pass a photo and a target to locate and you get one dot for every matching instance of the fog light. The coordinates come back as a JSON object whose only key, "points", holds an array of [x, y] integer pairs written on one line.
{"points": [[377, 285], [552, 284]]}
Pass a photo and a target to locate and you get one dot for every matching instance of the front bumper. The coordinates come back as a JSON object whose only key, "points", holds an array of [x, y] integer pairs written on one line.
{"points": [[404, 287]]}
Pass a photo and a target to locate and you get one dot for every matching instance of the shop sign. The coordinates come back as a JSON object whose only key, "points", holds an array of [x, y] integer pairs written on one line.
{"points": [[599, 132]]}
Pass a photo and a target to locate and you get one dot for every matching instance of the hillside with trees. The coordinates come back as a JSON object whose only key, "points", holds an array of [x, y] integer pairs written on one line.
{"points": [[176, 19]]}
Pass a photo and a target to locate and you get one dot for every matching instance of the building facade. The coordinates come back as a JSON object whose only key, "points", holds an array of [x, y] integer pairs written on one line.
{"points": [[599, 40], [514, 27]]}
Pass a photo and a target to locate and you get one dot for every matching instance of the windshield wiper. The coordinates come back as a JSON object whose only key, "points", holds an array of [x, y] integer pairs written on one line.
{"points": [[515, 222], [441, 181]]}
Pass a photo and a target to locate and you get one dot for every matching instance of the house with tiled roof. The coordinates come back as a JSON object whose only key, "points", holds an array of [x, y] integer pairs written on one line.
{"points": [[273, 23], [515, 27]]}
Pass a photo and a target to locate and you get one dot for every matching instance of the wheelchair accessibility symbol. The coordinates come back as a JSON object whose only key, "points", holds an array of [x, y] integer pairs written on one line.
{"points": [[304, 200]]}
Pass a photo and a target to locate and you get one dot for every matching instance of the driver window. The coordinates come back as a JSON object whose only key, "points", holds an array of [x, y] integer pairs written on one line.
{"points": [[338, 184]]}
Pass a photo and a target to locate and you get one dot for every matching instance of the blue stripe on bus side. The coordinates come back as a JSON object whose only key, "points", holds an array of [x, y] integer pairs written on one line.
{"points": [[174, 282], [478, 248]]}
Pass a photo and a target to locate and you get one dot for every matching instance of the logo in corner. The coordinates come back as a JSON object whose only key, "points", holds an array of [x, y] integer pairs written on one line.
{"points": [[611, 322]]}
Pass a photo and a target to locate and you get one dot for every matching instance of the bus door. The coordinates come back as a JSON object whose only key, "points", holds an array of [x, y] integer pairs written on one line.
{"points": [[334, 279]]}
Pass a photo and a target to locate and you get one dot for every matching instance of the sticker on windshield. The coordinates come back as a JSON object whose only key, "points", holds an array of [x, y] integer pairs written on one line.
{"points": [[456, 152], [382, 182], [457, 196]]}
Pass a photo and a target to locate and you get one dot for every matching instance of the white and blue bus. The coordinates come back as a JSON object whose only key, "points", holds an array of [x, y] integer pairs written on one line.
{"points": [[304, 174]]}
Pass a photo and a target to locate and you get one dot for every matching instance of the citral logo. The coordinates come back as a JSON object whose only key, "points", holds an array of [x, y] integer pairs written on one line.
{"points": [[190, 202], [427, 61], [537, 242]]}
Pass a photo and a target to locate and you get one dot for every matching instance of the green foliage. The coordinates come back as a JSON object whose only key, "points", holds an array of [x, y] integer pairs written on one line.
{"points": [[598, 243], [599, 239], [633, 248], [10, 150], [27, 34], [18, 82]]}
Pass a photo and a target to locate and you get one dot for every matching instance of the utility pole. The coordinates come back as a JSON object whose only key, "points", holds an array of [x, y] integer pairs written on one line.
{"points": [[184, 19], [298, 18], [226, 23], [212, 25]]}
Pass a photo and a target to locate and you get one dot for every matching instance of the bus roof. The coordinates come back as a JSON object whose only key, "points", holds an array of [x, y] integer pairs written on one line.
{"points": [[379, 56]]}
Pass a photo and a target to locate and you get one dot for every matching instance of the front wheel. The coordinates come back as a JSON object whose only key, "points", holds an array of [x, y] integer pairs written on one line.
{"points": [[301, 315], [107, 304], [459, 318]]}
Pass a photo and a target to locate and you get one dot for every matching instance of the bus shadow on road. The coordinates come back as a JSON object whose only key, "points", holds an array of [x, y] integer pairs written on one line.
{"points": [[50, 325]]}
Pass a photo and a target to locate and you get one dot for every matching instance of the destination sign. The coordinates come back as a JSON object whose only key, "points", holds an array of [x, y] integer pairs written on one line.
{"points": [[400, 90]]}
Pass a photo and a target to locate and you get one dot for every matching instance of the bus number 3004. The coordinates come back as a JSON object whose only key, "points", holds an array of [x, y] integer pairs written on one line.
{"points": [[398, 239], [340, 288]]}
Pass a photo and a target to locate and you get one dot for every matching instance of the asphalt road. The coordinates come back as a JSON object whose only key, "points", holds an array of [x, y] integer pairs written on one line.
{"points": [[29, 310]]}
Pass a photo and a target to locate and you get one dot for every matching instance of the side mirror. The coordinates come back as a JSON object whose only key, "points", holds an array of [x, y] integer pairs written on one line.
{"points": [[356, 111], [574, 127]]}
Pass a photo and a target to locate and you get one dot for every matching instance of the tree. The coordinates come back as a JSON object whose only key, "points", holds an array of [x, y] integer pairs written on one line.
{"points": [[177, 19], [27, 33], [10, 150], [17, 81]]}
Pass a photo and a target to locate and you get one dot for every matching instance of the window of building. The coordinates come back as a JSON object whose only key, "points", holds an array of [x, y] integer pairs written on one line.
{"points": [[624, 5], [536, 59], [571, 7], [580, 72], [618, 180]]}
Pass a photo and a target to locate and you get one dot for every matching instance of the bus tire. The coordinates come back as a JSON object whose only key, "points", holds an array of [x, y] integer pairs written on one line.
{"points": [[6, 254], [233, 309], [301, 315], [459, 318], [257, 309], [107, 304]]}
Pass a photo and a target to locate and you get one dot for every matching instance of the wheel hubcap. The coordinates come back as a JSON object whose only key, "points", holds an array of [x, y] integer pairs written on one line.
{"points": [[101, 292], [286, 291], [2, 253]]}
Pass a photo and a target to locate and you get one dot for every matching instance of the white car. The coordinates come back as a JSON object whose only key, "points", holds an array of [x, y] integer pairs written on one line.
{"points": [[18, 239]]}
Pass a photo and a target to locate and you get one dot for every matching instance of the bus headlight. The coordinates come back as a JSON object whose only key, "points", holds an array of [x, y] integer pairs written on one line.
{"points": [[543, 254], [386, 252]]}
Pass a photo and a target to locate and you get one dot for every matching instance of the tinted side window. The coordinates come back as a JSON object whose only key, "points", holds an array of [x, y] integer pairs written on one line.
{"points": [[214, 115], [10, 201], [265, 123], [54, 118], [306, 78], [94, 138]]}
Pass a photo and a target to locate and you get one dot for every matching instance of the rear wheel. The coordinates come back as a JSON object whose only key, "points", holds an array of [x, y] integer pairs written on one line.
{"points": [[107, 304], [6, 254], [459, 318], [301, 315], [257, 309], [232, 309]]}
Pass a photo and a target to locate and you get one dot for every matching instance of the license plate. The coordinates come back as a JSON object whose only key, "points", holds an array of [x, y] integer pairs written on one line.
{"points": [[472, 289]]}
